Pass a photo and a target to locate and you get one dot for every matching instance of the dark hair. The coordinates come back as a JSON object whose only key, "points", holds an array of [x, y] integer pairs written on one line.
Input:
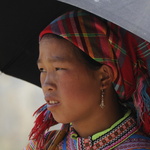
{"points": [[89, 62]]}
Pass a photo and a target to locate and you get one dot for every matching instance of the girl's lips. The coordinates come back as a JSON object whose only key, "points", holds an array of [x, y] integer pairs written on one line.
{"points": [[52, 104], [51, 101]]}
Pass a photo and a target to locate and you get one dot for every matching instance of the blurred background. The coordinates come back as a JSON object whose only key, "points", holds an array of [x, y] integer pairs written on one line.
{"points": [[18, 101]]}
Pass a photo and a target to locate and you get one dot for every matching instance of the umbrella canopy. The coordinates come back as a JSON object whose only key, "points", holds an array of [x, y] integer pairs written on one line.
{"points": [[20, 25], [132, 15], [22, 21]]}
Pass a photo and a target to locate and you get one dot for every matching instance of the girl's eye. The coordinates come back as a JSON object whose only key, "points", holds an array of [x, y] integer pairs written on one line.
{"points": [[42, 70], [59, 69]]}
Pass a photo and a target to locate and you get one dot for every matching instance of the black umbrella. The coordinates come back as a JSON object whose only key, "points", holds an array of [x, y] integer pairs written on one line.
{"points": [[20, 25], [22, 21]]}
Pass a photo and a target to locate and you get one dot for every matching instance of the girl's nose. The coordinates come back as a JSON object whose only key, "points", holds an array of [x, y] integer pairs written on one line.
{"points": [[48, 83], [48, 86]]}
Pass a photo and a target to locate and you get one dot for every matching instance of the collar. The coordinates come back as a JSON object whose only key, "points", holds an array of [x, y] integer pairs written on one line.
{"points": [[109, 138]]}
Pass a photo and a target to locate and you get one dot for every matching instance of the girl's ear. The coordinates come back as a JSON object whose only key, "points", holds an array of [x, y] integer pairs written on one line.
{"points": [[106, 77]]}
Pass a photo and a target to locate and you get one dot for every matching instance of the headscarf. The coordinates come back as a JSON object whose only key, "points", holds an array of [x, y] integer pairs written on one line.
{"points": [[107, 43]]}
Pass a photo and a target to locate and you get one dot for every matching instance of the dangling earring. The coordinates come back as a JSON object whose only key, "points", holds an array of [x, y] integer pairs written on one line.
{"points": [[102, 105]]}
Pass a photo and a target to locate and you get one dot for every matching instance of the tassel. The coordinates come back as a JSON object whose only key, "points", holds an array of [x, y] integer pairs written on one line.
{"points": [[142, 102], [44, 120], [146, 123]]}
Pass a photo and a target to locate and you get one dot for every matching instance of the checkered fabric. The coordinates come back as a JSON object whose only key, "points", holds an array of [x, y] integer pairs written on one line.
{"points": [[107, 43]]}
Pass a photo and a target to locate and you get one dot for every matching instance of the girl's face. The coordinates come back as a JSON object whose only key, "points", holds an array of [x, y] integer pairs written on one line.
{"points": [[71, 90]]}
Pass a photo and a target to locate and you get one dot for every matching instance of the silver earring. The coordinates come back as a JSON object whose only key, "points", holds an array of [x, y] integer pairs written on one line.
{"points": [[102, 105]]}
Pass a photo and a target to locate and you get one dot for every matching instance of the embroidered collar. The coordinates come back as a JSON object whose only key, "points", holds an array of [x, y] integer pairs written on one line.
{"points": [[109, 138]]}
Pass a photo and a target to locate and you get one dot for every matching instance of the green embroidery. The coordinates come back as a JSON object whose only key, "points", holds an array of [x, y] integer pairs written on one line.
{"points": [[95, 136]]}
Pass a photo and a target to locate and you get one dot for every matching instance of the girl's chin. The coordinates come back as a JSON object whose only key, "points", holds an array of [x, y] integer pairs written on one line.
{"points": [[61, 120]]}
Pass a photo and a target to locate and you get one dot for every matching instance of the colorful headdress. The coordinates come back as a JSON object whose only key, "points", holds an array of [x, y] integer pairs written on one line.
{"points": [[107, 43]]}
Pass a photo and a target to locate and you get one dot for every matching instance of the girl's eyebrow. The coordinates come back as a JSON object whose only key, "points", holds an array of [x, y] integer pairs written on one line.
{"points": [[54, 59]]}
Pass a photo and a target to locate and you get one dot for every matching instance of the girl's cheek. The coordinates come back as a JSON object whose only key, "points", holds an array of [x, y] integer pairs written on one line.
{"points": [[67, 78], [42, 78]]}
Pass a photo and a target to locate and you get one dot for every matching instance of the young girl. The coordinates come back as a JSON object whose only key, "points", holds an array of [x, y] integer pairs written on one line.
{"points": [[95, 80]]}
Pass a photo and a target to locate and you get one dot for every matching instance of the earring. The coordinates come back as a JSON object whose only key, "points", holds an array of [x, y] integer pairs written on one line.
{"points": [[102, 105]]}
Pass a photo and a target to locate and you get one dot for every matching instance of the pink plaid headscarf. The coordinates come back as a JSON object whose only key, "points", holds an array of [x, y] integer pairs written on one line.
{"points": [[107, 43]]}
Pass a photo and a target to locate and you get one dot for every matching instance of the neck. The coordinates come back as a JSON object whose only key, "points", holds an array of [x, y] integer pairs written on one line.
{"points": [[100, 120]]}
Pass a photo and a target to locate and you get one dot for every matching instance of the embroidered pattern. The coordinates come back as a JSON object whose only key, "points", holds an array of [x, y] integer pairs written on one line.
{"points": [[135, 142], [110, 139]]}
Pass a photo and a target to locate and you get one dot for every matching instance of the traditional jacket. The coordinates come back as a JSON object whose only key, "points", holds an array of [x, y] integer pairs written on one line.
{"points": [[122, 135]]}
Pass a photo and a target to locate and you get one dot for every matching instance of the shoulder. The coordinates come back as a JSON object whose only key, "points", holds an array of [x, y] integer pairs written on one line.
{"points": [[136, 141], [49, 136]]}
